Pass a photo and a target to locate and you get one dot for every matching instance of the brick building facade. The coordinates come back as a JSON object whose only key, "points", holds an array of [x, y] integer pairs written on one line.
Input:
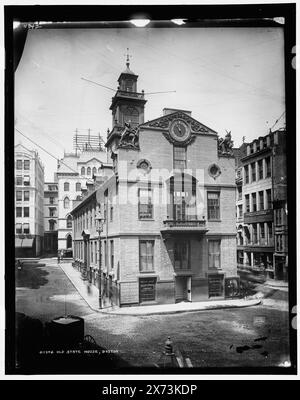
{"points": [[169, 208]]}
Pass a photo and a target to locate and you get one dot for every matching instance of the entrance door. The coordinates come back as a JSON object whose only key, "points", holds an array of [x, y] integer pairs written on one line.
{"points": [[182, 288]]}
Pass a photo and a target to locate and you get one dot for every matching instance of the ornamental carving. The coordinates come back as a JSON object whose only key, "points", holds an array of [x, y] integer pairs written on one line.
{"points": [[172, 140], [164, 122], [225, 145], [129, 138]]}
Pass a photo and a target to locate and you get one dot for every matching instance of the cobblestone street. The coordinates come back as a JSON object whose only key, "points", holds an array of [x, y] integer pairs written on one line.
{"points": [[254, 336]]}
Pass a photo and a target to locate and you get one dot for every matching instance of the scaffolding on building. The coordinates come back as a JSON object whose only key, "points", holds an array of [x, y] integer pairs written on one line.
{"points": [[92, 143]]}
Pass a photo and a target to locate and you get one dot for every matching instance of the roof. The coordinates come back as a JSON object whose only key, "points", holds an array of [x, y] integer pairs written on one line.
{"points": [[128, 71]]}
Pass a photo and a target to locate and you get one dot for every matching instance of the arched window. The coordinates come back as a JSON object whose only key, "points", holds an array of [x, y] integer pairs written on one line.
{"points": [[82, 171], [78, 187], [66, 186], [66, 202], [131, 114], [94, 171], [182, 203], [88, 172], [69, 222]]}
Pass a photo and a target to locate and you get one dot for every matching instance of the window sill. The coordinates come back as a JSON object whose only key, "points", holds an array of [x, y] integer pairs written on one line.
{"points": [[214, 220], [147, 272], [146, 219]]}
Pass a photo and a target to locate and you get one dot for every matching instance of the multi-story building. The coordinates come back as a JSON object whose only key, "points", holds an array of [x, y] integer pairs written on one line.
{"points": [[50, 217], [75, 171], [280, 259], [29, 202], [256, 187], [169, 208]]}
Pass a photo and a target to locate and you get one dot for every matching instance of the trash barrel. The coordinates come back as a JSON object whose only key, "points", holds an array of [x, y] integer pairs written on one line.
{"points": [[66, 331]]}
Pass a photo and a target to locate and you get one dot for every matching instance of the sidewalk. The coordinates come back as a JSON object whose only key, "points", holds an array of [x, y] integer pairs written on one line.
{"points": [[91, 296], [280, 285]]}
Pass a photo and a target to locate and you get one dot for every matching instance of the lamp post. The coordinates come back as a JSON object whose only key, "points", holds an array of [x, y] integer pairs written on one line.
{"points": [[99, 226]]}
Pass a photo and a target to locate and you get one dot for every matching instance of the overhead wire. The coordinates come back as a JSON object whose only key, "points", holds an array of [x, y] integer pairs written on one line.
{"points": [[46, 151]]}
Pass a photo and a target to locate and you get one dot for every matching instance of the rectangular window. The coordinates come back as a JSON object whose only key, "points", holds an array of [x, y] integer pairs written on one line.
{"points": [[260, 169], [240, 208], [18, 195], [112, 255], [268, 167], [179, 157], [239, 189], [26, 180], [145, 203], [26, 195], [246, 171], [254, 233], [254, 207], [262, 230], [270, 230], [111, 214], [105, 253], [146, 255], [213, 205], [18, 228], [214, 260], [26, 228], [261, 200], [19, 164], [18, 211], [247, 203], [269, 199], [182, 255], [27, 164], [51, 200], [253, 170], [19, 180], [26, 211]]}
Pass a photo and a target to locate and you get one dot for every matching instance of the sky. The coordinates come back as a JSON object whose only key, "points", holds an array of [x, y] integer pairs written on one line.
{"points": [[229, 78]]}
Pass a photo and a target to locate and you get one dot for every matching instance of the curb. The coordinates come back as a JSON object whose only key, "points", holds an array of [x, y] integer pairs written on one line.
{"points": [[212, 307]]}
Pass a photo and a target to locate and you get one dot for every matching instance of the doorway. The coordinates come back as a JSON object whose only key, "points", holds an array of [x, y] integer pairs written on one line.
{"points": [[183, 288]]}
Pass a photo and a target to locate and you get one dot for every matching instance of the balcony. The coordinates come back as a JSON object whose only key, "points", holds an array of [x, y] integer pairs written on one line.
{"points": [[183, 226], [124, 93]]}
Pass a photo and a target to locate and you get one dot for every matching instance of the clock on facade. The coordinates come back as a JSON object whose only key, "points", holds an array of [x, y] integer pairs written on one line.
{"points": [[179, 130]]}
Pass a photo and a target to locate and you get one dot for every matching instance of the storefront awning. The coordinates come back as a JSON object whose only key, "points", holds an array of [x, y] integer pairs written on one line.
{"points": [[18, 242], [27, 242]]}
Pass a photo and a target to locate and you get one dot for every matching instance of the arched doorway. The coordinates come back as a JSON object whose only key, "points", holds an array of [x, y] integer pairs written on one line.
{"points": [[69, 252]]}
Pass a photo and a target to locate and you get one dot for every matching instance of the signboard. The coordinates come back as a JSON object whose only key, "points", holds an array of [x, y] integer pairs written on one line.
{"points": [[215, 285], [147, 289]]}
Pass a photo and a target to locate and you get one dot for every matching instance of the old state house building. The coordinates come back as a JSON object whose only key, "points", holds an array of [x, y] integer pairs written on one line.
{"points": [[168, 203]]}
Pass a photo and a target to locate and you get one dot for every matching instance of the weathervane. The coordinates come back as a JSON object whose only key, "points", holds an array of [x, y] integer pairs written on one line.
{"points": [[128, 56]]}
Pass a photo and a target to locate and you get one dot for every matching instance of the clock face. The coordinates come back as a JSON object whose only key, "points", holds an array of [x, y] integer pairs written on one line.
{"points": [[179, 130]]}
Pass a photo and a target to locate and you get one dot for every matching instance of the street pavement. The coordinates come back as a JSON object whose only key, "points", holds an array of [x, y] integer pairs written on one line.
{"points": [[254, 336]]}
